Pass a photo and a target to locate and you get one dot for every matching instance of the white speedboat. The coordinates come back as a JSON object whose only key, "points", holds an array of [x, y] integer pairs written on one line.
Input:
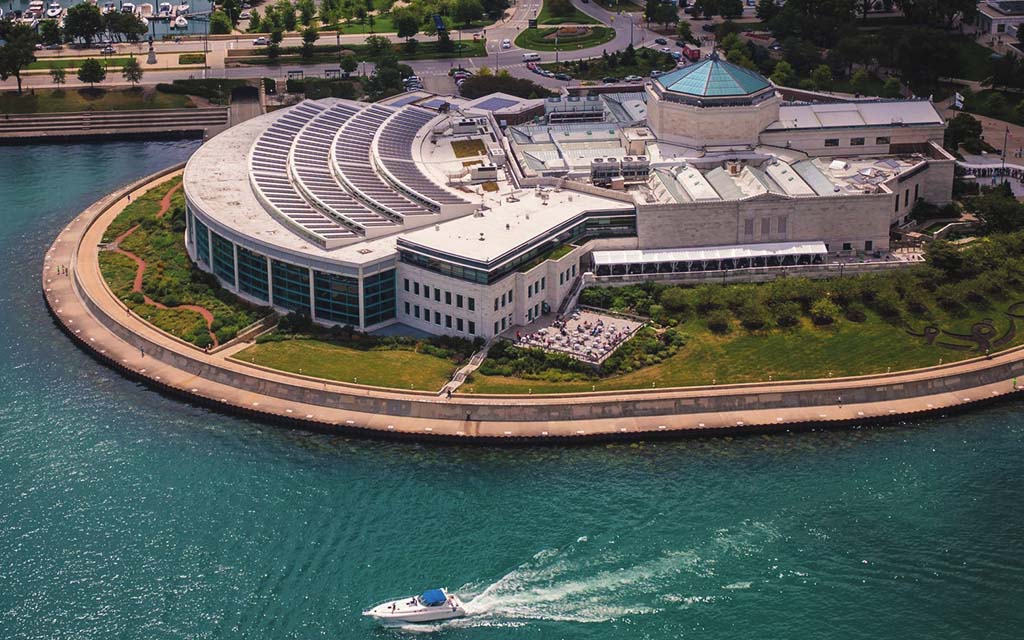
{"points": [[432, 605], [180, 22], [145, 11], [182, 9], [53, 10], [127, 7], [108, 7], [164, 11]]}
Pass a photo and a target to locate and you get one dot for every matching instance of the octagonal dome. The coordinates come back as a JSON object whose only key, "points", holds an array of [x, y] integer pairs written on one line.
{"points": [[714, 78]]}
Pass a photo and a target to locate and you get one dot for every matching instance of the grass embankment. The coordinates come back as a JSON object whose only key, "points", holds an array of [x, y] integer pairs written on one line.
{"points": [[617, 64], [404, 369], [543, 39], [871, 327], [44, 64], [576, 17], [170, 278], [64, 100]]}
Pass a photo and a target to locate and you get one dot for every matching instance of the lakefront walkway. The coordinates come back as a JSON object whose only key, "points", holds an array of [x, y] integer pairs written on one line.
{"points": [[88, 311]]}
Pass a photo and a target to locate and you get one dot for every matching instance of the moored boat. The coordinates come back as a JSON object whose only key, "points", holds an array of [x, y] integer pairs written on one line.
{"points": [[180, 22], [54, 10], [432, 605]]}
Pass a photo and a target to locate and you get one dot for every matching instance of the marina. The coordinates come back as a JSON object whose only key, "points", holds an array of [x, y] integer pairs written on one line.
{"points": [[162, 20]]}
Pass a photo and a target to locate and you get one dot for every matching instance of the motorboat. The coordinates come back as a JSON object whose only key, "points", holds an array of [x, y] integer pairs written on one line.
{"points": [[108, 7], [53, 10], [127, 7], [432, 605], [164, 10], [145, 11], [180, 22], [182, 9]]}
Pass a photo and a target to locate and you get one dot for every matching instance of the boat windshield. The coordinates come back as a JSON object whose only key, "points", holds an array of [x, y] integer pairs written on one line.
{"points": [[433, 597]]}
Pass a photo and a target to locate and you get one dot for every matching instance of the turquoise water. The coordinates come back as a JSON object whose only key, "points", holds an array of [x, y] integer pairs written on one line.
{"points": [[124, 514]]}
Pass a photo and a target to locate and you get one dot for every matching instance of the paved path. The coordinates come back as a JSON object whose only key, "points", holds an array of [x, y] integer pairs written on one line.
{"points": [[89, 312]]}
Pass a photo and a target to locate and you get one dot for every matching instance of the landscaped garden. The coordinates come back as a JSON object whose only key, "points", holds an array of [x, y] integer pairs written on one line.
{"points": [[562, 12], [959, 305], [568, 38], [86, 99], [174, 293], [639, 62], [348, 356]]}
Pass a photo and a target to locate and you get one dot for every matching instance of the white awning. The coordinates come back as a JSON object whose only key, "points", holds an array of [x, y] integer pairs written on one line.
{"points": [[734, 252]]}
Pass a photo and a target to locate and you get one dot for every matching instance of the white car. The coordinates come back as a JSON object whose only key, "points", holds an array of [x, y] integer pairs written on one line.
{"points": [[261, 41], [506, 44], [633, 79]]}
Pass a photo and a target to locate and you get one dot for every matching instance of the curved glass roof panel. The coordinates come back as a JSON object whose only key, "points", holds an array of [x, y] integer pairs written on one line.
{"points": [[713, 78]]}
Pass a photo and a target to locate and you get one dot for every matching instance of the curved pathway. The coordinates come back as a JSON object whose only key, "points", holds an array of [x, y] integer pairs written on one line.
{"points": [[165, 205], [90, 314]]}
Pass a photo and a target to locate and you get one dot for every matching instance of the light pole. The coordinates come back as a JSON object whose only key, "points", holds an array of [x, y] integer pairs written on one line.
{"points": [[1006, 136]]}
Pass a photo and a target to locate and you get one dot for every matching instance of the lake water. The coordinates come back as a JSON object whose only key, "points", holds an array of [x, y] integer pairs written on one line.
{"points": [[124, 514]]}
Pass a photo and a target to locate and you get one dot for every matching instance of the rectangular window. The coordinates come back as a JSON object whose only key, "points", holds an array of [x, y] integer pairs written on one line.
{"points": [[416, 311], [510, 297], [916, 191], [458, 324], [472, 328], [529, 291], [847, 246], [458, 300], [869, 245], [448, 321], [437, 295], [291, 286], [543, 283], [406, 308], [202, 242], [748, 227], [447, 297], [897, 209], [503, 324], [906, 197], [561, 279], [856, 142], [406, 283], [781, 225], [379, 297], [252, 274], [832, 142], [416, 288], [337, 298], [472, 304], [496, 303], [574, 271], [882, 140], [426, 292], [766, 227], [437, 318], [224, 259], [495, 327]]}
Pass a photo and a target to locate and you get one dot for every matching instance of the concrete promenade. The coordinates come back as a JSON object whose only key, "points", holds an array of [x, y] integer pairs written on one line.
{"points": [[86, 309]]}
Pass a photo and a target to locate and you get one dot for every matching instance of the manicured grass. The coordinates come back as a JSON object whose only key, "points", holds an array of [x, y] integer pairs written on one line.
{"points": [[74, 63], [577, 17], [647, 60], [468, 148], [802, 352], [387, 368], [381, 24], [980, 103], [536, 39], [62, 100], [170, 278], [192, 58]]}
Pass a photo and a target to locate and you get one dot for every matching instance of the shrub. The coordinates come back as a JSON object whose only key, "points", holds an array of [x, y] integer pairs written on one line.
{"points": [[709, 297], [719, 321], [824, 311], [787, 314], [675, 299], [855, 312], [753, 316]]}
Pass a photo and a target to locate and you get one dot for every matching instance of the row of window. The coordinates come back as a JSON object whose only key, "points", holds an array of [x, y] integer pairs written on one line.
{"points": [[506, 298], [906, 197], [504, 323], [855, 142], [566, 275], [536, 287], [781, 226], [459, 324], [460, 301]]}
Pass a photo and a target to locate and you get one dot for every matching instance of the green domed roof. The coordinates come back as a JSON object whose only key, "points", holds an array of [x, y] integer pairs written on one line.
{"points": [[714, 78]]}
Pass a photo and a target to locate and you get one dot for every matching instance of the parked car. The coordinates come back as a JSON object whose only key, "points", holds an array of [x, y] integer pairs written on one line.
{"points": [[677, 56], [656, 73], [660, 41], [563, 76], [609, 80], [261, 41], [775, 46], [709, 27], [506, 44], [108, 50], [633, 79], [245, 15]]}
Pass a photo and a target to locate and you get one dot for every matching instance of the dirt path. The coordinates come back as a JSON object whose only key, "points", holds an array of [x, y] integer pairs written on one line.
{"points": [[165, 205]]}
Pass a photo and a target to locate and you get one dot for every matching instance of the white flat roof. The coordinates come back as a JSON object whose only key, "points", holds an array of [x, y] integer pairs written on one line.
{"points": [[508, 225], [856, 114], [734, 252]]}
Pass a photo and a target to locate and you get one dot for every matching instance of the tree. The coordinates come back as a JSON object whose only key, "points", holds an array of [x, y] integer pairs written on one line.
{"points": [[49, 32], [766, 10], [706, 8], [685, 31], [891, 88], [822, 77], [129, 25], [18, 52], [232, 10], [83, 22], [377, 47], [824, 311], [560, 8], [254, 21], [92, 72], [349, 64], [730, 9], [132, 71], [1000, 211], [274, 48], [220, 23], [467, 11], [307, 11], [860, 81], [783, 74], [59, 76], [665, 13], [944, 256], [309, 38], [444, 42], [407, 25], [1018, 111], [963, 128], [287, 13]]}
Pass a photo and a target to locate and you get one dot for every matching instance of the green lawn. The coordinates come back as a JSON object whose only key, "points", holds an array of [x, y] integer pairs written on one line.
{"points": [[981, 104], [74, 63], [170, 278], [536, 40], [62, 100], [802, 352], [385, 368], [329, 54], [577, 17], [616, 5], [647, 60], [192, 58]]}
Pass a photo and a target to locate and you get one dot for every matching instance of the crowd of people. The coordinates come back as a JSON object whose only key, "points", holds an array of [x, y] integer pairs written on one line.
{"points": [[1011, 172], [584, 335]]}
